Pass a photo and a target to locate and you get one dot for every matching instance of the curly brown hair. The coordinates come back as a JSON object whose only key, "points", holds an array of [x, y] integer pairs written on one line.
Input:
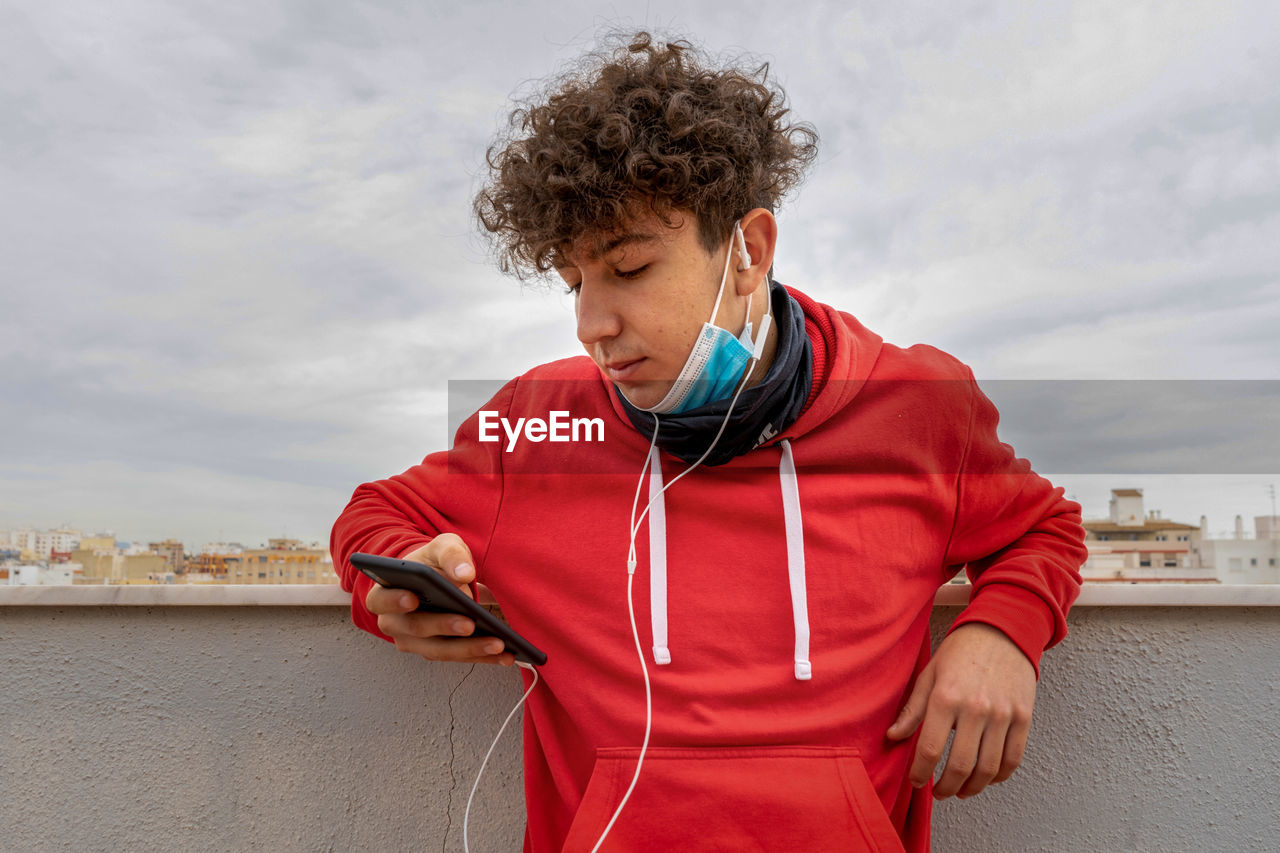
{"points": [[641, 125]]}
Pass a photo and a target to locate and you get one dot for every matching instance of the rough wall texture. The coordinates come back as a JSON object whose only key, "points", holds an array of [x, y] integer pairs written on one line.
{"points": [[1156, 729], [181, 728], [228, 728]]}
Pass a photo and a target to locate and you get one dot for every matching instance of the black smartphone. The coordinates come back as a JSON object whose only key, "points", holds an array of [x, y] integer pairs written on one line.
{"points": [[437, 595]]}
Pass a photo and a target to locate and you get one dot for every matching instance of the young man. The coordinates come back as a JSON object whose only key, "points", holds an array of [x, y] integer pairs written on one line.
{"points": [[784, 491]]}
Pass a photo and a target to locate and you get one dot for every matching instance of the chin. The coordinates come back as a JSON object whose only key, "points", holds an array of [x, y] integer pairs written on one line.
{"points": [[642, 395]]}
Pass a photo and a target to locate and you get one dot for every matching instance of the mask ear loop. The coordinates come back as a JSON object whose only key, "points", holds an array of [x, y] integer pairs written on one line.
{"points": [[740, 247], [744, 261]]}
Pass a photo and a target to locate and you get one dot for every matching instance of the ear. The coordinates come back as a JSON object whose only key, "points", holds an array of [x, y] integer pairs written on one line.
{"points": [[760, 234]]}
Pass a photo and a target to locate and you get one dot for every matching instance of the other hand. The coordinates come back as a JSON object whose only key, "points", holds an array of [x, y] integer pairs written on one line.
{"points": [[436, 636], [982, 685]]}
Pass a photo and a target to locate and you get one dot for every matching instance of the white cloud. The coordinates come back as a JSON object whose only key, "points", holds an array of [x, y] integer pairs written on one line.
{"points": [[261, 214]]}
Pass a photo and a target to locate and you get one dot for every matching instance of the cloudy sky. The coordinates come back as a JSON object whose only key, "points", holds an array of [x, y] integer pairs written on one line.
{"points": [[239, 265]]}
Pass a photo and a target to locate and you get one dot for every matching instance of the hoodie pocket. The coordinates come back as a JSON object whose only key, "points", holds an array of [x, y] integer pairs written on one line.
{"points": [[734, 798]]}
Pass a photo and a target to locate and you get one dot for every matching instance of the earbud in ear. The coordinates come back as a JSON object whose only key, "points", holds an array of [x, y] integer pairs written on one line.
{"points": [[744, 259]]}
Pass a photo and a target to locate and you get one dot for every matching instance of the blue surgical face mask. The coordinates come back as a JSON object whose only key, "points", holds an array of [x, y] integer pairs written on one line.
{"points": [[718, 361]]}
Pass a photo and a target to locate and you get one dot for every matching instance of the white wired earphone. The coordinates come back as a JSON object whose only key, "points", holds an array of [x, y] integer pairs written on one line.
{"points": [[466, 816], [744, 260]]}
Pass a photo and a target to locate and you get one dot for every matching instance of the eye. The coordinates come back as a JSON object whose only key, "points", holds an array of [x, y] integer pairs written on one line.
{"points": [[630, 274], [572, 289]]}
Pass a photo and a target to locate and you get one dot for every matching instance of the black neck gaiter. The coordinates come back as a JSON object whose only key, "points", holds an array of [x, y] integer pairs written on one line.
{"points": [[761, 412]]}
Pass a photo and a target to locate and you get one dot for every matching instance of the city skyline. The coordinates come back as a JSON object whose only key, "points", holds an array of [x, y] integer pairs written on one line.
{"points": [[241, 268], [1221, 525], [189, 545]]}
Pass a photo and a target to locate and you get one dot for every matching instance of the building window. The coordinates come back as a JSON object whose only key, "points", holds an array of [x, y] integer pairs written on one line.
{"points": [[1253, 561], [262, 575]]}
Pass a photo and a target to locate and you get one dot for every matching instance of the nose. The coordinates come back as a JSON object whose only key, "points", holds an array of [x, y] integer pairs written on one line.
{"points": [[598, 317]]}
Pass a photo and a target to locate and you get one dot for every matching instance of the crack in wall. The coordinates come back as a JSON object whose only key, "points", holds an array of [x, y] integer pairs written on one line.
{"points": [[453, 784]]}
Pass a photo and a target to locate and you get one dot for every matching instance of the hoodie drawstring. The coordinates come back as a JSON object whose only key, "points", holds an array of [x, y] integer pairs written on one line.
{"points": [[794, 527], [795, 559], [658, 560]]}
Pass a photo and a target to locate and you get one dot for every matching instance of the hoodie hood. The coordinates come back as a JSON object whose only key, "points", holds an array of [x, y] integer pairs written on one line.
{"points": [[844, 354]]}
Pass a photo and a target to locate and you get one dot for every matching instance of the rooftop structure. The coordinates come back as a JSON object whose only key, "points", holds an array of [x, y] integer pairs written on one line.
{"points": [[1135, 545]]}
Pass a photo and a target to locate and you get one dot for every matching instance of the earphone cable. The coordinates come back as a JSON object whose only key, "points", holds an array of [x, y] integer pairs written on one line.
{"points": [[466, 817]]}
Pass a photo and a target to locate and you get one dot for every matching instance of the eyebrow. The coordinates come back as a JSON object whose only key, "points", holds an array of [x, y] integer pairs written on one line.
{"points": [[616, 243], [624, 240]]}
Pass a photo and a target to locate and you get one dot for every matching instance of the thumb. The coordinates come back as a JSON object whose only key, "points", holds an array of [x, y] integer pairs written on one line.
{"points": [[463, 572], [912, 713], [453, 557]]}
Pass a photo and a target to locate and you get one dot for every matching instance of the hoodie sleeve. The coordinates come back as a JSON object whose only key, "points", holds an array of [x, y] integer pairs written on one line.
{"points": [[455, 491], [1020, 541]]}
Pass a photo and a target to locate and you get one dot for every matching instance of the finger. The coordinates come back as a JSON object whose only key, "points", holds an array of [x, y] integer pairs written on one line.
{"points": [[467, 650], [504, 659], [381, 599], [990, 756], [1015, 744], [937, 724], [913, 711], [425, 625], [962, 758], [452, 557]]}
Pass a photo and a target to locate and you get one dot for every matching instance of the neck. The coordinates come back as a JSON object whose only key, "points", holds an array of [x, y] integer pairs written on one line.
{"points": [[768, 407]]}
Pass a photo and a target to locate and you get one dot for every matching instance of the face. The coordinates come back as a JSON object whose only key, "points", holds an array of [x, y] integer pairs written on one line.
{"points": [[641, 302]]}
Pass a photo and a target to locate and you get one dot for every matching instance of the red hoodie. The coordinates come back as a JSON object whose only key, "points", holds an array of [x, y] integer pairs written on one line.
{"points": [[784, 611]]}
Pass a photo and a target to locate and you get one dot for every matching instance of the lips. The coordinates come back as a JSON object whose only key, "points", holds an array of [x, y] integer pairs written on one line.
{"points": [[621, 371]]}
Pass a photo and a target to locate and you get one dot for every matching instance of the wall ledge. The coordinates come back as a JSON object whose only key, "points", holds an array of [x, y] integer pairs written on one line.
{"points": [[178, 594], [1147, 594], [331, 595]]}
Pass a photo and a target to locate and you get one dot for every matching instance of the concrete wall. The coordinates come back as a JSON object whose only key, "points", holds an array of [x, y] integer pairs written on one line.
{"points": [[283, 728], [228, 728], [1156, 729]]}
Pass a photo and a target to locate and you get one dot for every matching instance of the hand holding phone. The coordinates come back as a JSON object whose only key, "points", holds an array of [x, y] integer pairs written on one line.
{"points": [[433, 630]]}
